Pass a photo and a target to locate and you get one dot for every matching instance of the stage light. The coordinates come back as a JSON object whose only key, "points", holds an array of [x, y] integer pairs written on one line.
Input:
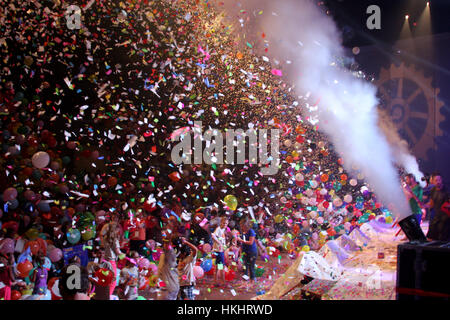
{"points": [[407, 17]]}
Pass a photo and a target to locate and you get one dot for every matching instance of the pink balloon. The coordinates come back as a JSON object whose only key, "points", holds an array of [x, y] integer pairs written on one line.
{"points": [[7, 246], [319, 220], [198, 272], [55, 255], [40, 159], [315, 236], [29, 195], [71, 144], [9, 194], [207, 247], [153, 267], [143, 263]]}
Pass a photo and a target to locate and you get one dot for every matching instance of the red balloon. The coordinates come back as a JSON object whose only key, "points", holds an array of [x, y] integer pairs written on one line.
{"points": [[24, 268], [15, 295], [112, 181], [230, 275]]}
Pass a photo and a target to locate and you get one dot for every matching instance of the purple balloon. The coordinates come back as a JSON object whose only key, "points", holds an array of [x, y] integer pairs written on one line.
{"points": [[7, 246], [9, 194], [55, 255]]}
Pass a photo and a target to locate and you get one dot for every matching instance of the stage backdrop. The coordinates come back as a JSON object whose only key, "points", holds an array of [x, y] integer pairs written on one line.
{"points": [[413, 81]]}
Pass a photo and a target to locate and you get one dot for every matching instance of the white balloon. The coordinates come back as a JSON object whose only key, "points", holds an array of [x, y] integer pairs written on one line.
{"points": [[309, 192], [353, 182], [299, 177], [313, 214], [337, 202], [314, 184], [287, 143], [348, 198], [323, 191], [312, 201], [40, 159]]}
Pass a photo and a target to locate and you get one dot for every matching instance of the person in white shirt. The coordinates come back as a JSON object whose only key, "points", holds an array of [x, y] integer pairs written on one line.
{"points": [[219, 239]]}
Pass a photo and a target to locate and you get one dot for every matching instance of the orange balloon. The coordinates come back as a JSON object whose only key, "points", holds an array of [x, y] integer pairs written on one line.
{"points": [[42, 245], [289, 159], [34, 247], [174, 176], [343, 177], [324, 177]]}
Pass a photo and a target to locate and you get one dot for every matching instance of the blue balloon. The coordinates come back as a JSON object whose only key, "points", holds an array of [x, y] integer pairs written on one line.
{"points": [[48, 263], [73, 236], [206, 265]]}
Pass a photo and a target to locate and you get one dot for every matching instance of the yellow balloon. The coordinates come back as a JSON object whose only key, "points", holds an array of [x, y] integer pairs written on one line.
{"points": [[279, 218], [305, 248], [231, 202], [389, 220]]}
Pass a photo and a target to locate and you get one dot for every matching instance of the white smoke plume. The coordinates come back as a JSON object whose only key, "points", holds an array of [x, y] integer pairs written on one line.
{"points": [[306, 41]]}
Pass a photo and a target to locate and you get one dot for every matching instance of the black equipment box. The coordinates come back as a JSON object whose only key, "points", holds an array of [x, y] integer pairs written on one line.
{"points": [[423, 271]]}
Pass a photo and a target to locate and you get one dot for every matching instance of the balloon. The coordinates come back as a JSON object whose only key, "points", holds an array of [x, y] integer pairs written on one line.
{"points": [[32, 234], [7, 246], [279, 218], [305, 248], [337, 202], [153, 267], [314, 184], [73, 235], [299, 177], [15, 295], [347, 225], [231, 202], [324, 177], [40, 159], [24, 268], [9, 194], [319, 220], [230, 275], [112, 181], [55, 255], [87, 234], [348, 198], [34, 247], [287, 143], [206, 265], [143, 263], [313, 214], [156, 255], [174, 176], [207, 248], [259, 272], [47, 263], [199, 272], [353, 182], [29, 195]]}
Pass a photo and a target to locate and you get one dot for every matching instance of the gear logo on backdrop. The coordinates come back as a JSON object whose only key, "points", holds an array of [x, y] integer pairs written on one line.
{"points": [[412, 102]]}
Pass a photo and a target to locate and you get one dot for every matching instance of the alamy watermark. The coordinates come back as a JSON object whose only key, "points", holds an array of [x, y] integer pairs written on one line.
{"points": [[374, 20], [232, 140]]}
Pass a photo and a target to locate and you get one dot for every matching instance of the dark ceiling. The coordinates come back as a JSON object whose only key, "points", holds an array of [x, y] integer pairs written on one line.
{"points": [[351, 18]]}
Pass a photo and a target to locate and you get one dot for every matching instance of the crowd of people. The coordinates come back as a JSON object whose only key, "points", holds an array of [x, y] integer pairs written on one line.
{"points": [[87, 180]]}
